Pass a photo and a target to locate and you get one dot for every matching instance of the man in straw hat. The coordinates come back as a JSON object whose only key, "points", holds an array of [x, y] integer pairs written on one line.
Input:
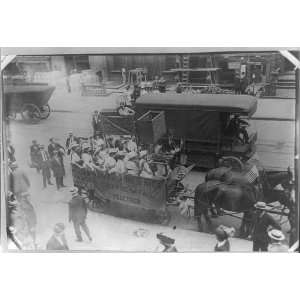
{"points": [[78, 214], [276, 239], [132, 164], [58, 241], [262, 222]]}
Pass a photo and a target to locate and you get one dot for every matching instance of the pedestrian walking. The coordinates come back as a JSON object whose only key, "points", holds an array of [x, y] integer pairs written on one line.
{"points": [[58, 170], [11, 152], [262, 221], [34, 155], [58, 241], [18, 180], [78, 214], [44, 163]]}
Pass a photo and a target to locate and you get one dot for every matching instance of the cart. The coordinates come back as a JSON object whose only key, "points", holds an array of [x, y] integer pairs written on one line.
{"points": [[29, 100]]}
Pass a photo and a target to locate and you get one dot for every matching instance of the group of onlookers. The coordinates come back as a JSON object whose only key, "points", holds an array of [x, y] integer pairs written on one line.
{"points": [[47, 160]]}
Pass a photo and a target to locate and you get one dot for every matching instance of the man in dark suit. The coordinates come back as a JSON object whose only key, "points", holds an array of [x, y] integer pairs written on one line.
{"points": [[262, 222], [43, 159], [55, 146], [70, 140], [95, 122], [78, 214], [58, 241], [34, 153], [58, 170]]}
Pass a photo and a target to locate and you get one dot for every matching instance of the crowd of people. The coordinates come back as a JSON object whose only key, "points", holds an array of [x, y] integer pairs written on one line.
{"points": [[113, 155]]}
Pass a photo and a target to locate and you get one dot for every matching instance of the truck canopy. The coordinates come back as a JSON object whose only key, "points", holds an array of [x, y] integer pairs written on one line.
{"points": [[235, 104]]}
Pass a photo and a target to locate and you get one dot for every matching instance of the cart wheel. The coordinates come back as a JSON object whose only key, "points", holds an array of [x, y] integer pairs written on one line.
{"points": [[45, 111], [31, 112], [233, 162]]}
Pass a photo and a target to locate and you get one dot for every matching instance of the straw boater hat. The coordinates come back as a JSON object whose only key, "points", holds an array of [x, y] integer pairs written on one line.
{"points": [[131, 155], [165, 239], [276, 234], [260, 205], [112, 151], [143, 153]]}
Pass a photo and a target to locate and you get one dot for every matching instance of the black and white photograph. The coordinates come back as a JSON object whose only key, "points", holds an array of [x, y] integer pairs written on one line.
{"points": [[144, 150]]}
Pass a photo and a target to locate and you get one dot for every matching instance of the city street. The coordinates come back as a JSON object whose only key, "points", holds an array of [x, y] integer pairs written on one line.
{"points": [[72, 112]]}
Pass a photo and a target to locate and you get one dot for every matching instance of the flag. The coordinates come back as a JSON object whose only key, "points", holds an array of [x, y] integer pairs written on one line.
{"points": [[252, 175]]}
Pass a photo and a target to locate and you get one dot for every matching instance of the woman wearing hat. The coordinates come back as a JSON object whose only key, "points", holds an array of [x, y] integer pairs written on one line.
{"points": [[132, 164], [145, 169], [276, 239], [120, 167], [110, 161]]}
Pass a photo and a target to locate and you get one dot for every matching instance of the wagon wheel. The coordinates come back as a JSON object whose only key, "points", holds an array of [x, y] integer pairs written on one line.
{"points": [[31, 112], [45, 111], [233, 162]]}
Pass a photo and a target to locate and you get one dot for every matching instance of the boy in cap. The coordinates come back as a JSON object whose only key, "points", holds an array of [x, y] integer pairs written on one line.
{"points": [[262, 222], [222, 235]]}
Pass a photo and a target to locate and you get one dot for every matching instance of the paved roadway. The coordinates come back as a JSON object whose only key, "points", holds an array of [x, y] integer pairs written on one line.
{"points": [[72, 113]]}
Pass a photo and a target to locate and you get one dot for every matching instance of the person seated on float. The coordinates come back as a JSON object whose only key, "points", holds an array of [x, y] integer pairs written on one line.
{"points": [[125, 110], [99, 141], [131, 164], [162, 170], [110, 161], [131, 145], [158, 148], [87, 158], [74, 153], [119, 145], [237, 127], [110, 142], [120, 167], [144, 167]]}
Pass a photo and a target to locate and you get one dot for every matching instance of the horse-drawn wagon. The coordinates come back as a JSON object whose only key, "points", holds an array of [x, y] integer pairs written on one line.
{"points": [[129, 196], [29, 100]]}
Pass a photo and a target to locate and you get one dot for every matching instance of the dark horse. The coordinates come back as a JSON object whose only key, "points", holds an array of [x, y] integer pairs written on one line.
{"points": [[267, 182], [239, 198]]}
